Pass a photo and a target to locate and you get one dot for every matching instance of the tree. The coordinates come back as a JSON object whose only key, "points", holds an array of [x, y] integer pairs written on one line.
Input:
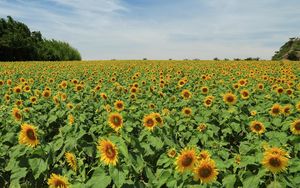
{"points": [[18, 43]]}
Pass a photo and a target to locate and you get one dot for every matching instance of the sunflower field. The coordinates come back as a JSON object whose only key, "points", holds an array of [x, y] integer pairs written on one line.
{"points": [[150, 124]]}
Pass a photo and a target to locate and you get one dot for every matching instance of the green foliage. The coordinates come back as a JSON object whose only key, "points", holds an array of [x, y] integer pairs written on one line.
{"points": [[290, 50], [18, 43]]}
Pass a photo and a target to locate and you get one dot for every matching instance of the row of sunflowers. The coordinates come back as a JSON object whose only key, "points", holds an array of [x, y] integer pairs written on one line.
{"points": [[150, 124]]}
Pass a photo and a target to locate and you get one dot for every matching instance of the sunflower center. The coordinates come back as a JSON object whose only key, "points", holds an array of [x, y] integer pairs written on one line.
{"points": [[186, 95], [204, 90], [187, 161], [257, 127], [245, 94], [59, 183], [230, 98], [150, 122], [297, 126], [119, 105], [275, 110], [116, 121], [205, 172], [110, 152], [158, 119], [30, 134], [275, 162], [208, 102]]}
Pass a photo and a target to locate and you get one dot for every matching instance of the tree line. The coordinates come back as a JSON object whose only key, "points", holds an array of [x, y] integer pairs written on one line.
{"points": [[18, 43]]}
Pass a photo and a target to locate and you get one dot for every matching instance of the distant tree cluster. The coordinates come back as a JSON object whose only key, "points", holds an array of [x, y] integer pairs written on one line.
{"points": [[289, 51], [18, 43]]}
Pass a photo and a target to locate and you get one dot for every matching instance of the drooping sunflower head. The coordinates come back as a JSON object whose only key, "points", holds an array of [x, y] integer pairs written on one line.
{"points": [[295, 127], [275, 162], [58, 181], [257, 127], [119, 105], [28, 135], [187, 111], [275, 110], [108, 152], [205, 171], [201, 127], [103, 96], [186, 94], [71, 119], [186, 160], [115, 121], [149, 122], [71, 160], [229, 98]]}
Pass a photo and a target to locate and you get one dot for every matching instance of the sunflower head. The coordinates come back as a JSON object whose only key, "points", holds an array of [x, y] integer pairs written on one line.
{"points": [[71, 160], [205, 171], [276, 110], [149, 121], [16, 112], [295, 127], [115, 121], [257, 127], [171, 152], [229, 98], [28, 135], [187, 111], [108, 152], [119, 105], [46, 93], [186, 94], [186, 160], [204, 154], [204, 90], [245, 94], [58, 181], [275, 162], [287, 109]]}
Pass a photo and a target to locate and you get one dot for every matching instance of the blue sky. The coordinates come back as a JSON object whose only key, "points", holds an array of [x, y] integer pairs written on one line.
{"points": [[162, 29]]}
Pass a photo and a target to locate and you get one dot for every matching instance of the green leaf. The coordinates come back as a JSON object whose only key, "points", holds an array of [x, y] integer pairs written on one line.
{"points": [[251, 182], [229, 181], [118, 176], [38, 166], [274, 184], [16, 175], [99, 179]]}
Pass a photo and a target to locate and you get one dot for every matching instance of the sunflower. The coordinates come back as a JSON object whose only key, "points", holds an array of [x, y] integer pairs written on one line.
{"points": [[245, 94], [201, 127], [28, 135], [204, 90], [17, 114], [64, 84], [287, 109], [275, 162], [119, 105], [289, 91], [71, 119], [71, 160], [103, 96], [158, 118], [63, 96], [279, 90], [26, 88], [253, 113], [186, 160], [108, 152], [70, 106], [115, 121], [149, 121], [298, 106], [186, 94], [19, 102], [57, 181], [229, 98], [257, 127], [187, 111], [295, 127], [7, 97], [33, 99], [275, 110], [17, 89], [205, 171], [171, 152], [208, 101], [204, 154], [78, 87], [46, 93], [260, 86]]}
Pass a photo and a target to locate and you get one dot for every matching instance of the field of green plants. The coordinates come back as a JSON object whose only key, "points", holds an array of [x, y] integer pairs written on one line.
{"points": [[150, 124]]}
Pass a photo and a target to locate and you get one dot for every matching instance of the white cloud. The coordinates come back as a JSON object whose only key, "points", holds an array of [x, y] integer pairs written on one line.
{"points": [[105, 29]]}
